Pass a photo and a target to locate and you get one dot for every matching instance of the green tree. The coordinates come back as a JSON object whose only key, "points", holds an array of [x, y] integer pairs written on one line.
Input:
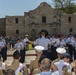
{"points": [[68, 6]]}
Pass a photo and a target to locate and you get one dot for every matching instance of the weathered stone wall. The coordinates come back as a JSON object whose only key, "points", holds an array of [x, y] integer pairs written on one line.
{"points": [[2, 26], [12, 26]]}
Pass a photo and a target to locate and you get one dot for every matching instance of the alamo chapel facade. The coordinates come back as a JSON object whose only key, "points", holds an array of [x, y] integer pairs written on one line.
{"points": [[43, 17]]}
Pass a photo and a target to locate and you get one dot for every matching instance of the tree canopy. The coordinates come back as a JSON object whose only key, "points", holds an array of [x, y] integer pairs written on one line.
{"points": [[67, 6]]}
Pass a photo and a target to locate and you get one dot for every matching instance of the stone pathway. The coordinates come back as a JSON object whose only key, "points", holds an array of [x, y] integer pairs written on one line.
{"points": [[30, 55]]}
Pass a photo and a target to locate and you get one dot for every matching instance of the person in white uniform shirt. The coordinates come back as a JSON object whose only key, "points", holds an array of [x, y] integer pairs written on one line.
{"points": [[67, 58], [60, 63]]}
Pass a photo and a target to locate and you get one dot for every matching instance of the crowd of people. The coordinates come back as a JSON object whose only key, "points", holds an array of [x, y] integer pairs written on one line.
{"points": [[56, 55]]}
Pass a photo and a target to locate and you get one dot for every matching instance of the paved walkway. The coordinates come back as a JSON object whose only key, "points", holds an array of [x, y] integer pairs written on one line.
{"points": [[30, 55]]}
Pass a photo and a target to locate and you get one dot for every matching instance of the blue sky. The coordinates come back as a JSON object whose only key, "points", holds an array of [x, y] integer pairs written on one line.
{"points": [[18, 7]]}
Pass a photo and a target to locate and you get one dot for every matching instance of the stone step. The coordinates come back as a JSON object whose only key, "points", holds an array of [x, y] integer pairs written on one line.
{"points": [[29, 56], [28, 52]]}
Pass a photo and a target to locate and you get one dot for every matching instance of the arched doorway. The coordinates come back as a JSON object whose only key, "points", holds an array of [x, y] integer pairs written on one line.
{"points": [[33, 34]]}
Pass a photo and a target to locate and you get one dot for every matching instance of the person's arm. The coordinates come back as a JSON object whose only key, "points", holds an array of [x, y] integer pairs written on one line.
{"points": [[54, 67], [32, 42]]}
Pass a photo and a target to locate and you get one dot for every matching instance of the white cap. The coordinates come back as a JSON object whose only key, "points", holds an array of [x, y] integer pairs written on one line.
{"points": [[39, 48], [60, 50]]}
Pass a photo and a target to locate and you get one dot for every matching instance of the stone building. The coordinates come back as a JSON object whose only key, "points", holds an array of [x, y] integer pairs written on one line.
{"points": [[2, 26], [43, 17]]}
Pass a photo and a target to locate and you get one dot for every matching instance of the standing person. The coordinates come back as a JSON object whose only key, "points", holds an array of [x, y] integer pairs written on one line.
{"points": [[55, 44], [19, 68], [60, 63], [43, 41], [23, 51], [62, 43], [70, 42], [74, 48], [2, 50], [12, 41], [64, 60], [20, 48], [34, 64], [26, 41], [52, 39]]}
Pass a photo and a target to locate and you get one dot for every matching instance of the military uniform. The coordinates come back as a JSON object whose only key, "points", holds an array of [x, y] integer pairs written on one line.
{"points": [[43, 41], [55, 44], [18, 67], [34, 64], [56, 60], [21, 50], [70, 42], [4, 51], [36, 71]]}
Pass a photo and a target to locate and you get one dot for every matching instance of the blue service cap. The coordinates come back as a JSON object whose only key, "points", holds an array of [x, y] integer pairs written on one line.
{"points": [[67, 55]]}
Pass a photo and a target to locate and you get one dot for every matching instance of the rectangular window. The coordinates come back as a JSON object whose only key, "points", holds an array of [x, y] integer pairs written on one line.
{"points": [[69, 19], [16, 20], [59, 20], [71, 30], [44, 19], [17, 31]]}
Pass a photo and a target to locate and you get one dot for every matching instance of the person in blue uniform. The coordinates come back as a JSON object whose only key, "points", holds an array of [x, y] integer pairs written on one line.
{"points": [[20, 48], [43, 41], [2, 50]]}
